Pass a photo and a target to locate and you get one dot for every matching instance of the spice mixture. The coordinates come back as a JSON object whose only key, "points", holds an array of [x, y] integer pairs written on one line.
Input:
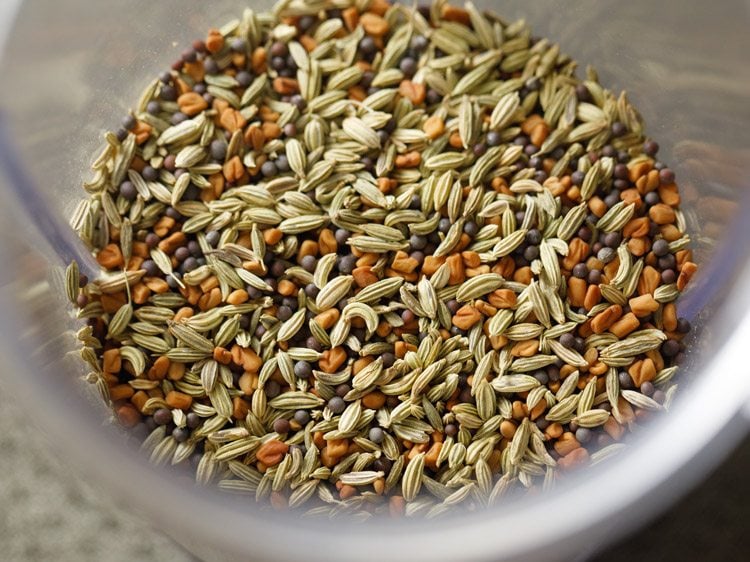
{"points": [[371, 258]]}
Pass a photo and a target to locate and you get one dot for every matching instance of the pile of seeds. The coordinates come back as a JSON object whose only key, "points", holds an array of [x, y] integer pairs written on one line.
{"points": [[368, 258]]}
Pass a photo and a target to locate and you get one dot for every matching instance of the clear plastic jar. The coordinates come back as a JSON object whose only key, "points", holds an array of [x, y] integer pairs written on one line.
{"points": [[70, 69]]}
